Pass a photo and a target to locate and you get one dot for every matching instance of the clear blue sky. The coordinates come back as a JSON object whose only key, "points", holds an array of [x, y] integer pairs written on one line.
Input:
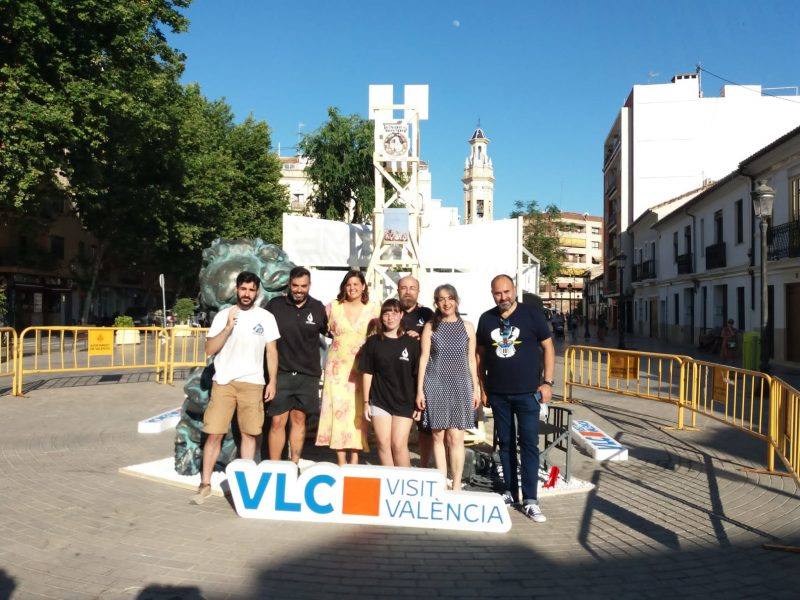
{"points": [[545, 80]]}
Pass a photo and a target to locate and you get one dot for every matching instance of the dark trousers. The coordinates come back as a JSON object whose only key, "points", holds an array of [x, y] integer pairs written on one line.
{"points": [[505, 407]]}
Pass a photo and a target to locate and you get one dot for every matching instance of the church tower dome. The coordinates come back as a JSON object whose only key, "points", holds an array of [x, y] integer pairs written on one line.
{"points": [[478, 180]]}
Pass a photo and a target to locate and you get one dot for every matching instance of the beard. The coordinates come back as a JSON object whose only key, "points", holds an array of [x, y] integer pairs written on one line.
{"points": [[407, 303], [298, 298], [505, 304]]}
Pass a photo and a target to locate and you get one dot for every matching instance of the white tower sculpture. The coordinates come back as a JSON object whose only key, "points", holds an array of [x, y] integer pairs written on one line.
{"points": [[478, 181], [395, 248]]}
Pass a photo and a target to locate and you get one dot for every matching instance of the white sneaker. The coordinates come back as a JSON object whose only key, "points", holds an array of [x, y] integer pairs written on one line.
{"points": [[533, 512]]}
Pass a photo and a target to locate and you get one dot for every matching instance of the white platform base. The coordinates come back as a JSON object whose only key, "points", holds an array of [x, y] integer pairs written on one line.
{"points": [[163, 471], [162, 422]]}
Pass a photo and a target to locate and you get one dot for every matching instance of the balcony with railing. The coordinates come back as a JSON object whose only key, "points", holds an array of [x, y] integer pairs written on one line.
{"points": [[644, 270], [715, 256], [783, 241], [685, 263]]}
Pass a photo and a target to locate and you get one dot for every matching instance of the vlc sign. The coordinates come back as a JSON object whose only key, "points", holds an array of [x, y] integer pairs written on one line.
{"points": [[360, 494]]}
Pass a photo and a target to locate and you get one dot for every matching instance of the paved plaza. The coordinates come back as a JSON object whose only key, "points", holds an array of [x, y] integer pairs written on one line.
{"points": [[678, 519]]}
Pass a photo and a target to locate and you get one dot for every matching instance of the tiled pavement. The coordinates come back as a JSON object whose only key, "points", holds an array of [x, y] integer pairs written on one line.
{"points": [[678, 519]]}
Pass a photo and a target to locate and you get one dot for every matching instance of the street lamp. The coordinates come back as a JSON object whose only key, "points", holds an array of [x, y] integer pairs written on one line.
{"points": [[621, 317], [586, 276], [762, 196]]}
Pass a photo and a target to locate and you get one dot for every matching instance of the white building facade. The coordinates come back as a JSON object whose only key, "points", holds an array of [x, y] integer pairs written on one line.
{"points": [[668, 139], [706, 259], [581, 240]]}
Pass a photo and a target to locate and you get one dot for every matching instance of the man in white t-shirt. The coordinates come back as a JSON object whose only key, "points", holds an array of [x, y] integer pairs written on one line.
{"points": [[237, 339]]}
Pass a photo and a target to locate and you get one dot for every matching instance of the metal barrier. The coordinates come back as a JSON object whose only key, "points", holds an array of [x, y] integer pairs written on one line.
{"points": [[764, 407], [738, 397], [82, 349], [187, 348], [784, 429], [8, 356], [653, 376]]}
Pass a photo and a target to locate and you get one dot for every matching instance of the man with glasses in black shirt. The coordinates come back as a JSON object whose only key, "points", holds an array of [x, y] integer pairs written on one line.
{"points": [[414, 318], [301, 320], [511, 339]]}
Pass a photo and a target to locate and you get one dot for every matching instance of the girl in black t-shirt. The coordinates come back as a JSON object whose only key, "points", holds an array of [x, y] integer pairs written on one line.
{"points": [[388, 365]]}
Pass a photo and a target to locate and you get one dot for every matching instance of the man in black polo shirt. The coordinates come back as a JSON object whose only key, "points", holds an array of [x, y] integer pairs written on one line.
{"points": [[301, 320], [510, 340], [414, 319], [414, 315]]}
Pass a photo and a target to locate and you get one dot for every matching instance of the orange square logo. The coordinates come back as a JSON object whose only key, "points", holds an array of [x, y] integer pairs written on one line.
{"points": [[361, 496]]}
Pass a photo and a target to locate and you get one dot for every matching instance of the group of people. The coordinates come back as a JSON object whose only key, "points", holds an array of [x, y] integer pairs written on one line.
{"points": [[388, 365]]}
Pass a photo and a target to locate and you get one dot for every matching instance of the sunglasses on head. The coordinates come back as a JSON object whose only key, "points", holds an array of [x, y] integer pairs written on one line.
{"points": [[505, 326]]}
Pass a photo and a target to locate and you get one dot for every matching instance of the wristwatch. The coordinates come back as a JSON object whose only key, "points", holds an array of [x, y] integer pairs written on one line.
{"points": [[549, 382]]}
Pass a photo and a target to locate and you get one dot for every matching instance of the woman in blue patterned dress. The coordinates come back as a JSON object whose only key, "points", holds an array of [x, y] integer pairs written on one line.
{"points": [[447, 386]]}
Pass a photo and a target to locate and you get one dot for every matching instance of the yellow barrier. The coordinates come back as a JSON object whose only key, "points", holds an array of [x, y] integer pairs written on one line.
{"points": [[785, 426], [81, 349], [8, 356], [653, 376], [738, 397], [187, 348], [762, 406]]}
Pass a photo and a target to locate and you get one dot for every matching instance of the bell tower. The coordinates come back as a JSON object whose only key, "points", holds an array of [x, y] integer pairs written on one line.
{"points": [[478, 181]]}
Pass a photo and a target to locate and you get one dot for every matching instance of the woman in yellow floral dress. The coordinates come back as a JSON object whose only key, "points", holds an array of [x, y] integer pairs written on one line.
{"points": [[341, 420]]}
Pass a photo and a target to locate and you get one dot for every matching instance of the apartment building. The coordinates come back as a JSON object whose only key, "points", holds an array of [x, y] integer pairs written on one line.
{"points": [[696, 259], [668, 139], [581, 239]]}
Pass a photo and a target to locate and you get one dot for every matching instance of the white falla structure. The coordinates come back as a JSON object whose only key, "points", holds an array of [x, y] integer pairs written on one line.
{"points": [[396, 162], [411, 233], [478, 181]]}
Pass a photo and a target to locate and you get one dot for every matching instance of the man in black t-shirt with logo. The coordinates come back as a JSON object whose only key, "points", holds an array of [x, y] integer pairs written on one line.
{"points": [[414, 315], [301, 320], [414, 319], [510, 341]]}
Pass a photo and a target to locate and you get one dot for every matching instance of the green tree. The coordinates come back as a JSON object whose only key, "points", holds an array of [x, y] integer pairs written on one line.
{"points": [[85, 112], [230, 183], [540, 236], [340, 154], [257, 197]]}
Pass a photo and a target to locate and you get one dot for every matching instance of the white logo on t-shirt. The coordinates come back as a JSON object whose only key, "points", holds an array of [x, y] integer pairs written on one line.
{"points": [[505, 340], [310, 319], [258, 329], [420, 323], [404, 354]]}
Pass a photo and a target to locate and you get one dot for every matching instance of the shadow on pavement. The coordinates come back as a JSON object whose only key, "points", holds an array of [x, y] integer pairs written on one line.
{"points": [[170, 592], [7, 585], [374, 563]]}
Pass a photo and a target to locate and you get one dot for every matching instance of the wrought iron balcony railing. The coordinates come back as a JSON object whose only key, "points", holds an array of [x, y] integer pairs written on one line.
{"points": [[644, 270], [783, 241], [685, 263], [715, 256]]}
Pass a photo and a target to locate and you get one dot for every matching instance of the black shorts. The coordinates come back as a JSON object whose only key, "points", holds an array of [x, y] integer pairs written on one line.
{"points": [[295, 391]]}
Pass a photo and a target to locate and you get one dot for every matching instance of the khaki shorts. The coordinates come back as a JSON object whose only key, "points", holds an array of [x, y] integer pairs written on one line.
{"points": [[247, 399]]}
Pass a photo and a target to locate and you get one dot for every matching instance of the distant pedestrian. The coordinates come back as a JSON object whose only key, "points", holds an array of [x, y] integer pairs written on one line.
{"points": [[728, 335], [602, 327]]}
